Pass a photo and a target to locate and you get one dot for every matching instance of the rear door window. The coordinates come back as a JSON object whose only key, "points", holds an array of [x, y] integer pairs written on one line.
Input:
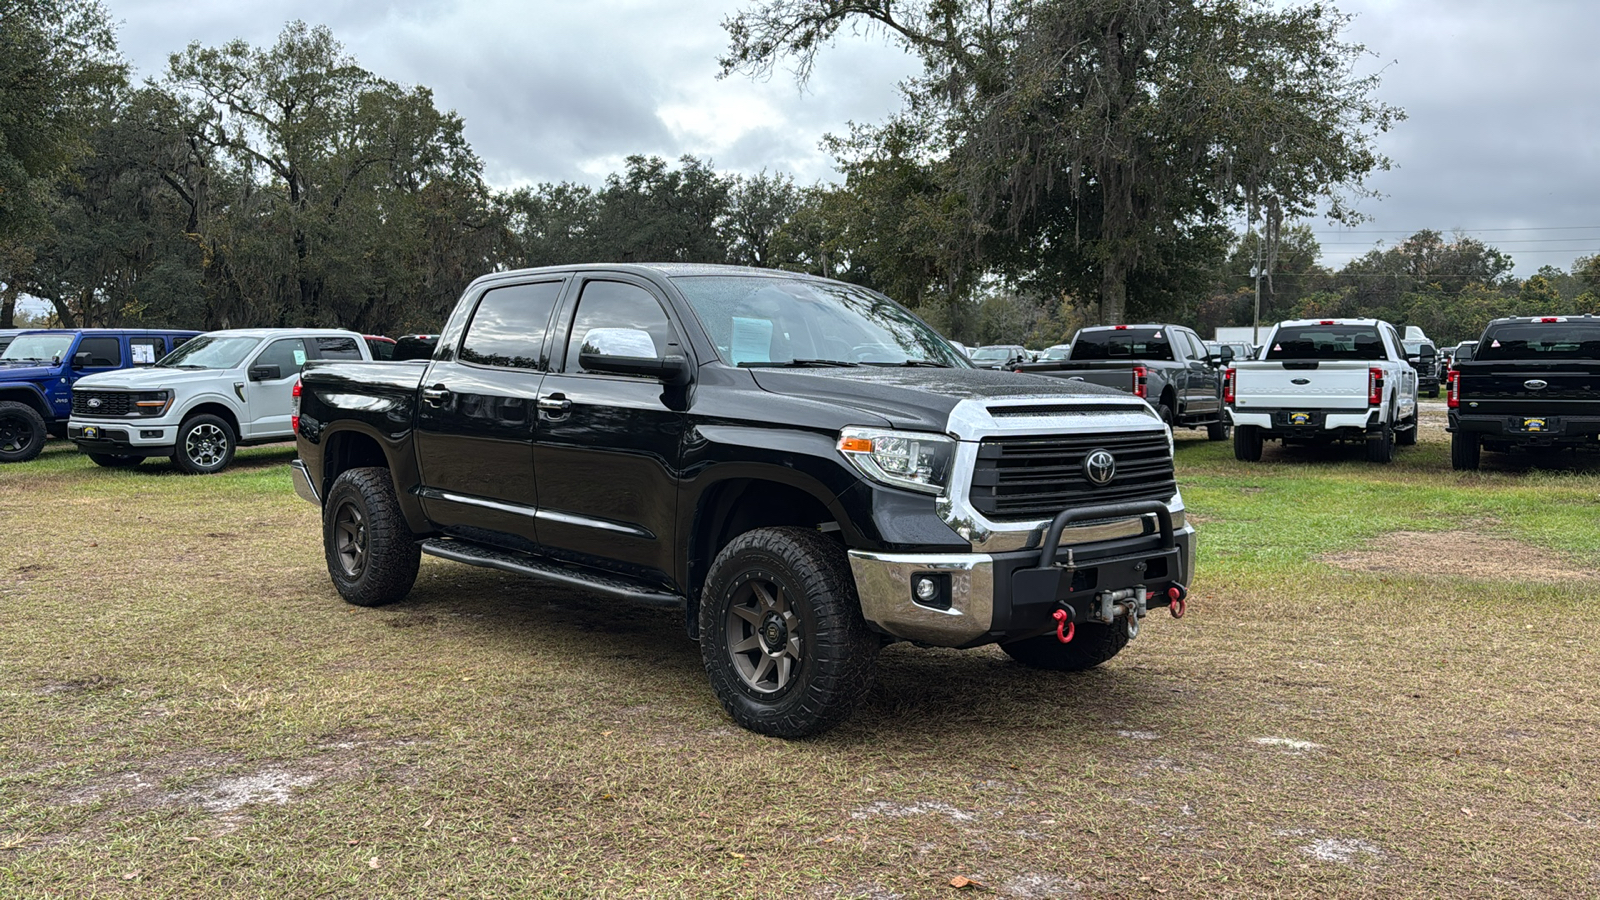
{"points": [[509, 326], [1540, 340], [336, 348], [144, 351], [1129, 343], [1333, 342]]}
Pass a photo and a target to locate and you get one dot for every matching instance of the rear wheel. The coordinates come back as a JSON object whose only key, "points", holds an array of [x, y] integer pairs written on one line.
{"points": [[1217, 431], [372, 554], [115, 461], [22, 432], [1466, 449], [1247, 442], [1093, 644], [781, 633], [1380, 444]]}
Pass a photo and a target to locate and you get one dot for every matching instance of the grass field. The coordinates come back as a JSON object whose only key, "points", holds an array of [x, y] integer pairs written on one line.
{"points": [[1386, 686]]}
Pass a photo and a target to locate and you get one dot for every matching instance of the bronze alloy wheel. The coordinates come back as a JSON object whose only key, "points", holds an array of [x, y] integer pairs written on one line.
{"points": [[764, 635], [350, 539]]}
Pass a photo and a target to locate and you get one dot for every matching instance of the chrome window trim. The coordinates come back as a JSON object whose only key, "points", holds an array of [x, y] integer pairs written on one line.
{"points": [[970, 422]]}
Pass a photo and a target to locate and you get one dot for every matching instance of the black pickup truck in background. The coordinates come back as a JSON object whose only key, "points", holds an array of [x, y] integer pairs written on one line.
{"points": [[803, 466], [1530, 383], [1168, 365]]}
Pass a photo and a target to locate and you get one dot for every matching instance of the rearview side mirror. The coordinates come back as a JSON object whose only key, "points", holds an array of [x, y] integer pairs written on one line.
{"points": [[630, 351], [80, 360], [265, 373]]}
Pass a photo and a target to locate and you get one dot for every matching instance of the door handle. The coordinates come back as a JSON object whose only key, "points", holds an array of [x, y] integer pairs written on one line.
{"points": [[555, 403], [436, 395]]}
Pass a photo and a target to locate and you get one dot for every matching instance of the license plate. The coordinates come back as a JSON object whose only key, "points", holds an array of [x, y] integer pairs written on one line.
{"points": [[1534, 425], [1299, 418], [90, 433]]}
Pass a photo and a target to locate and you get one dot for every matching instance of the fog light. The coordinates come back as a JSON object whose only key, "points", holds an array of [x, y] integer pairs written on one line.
{"points": [[149, 433], [931, 590]]}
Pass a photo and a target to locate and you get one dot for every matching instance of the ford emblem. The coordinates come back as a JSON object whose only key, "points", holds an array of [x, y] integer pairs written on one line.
{"points": [[94, 403], [1099, 467], [1300, 381], [1536, 384]]}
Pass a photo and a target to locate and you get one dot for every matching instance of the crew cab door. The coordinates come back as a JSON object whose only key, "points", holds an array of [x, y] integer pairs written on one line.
{"points": [[1202, 386], [475, 418], [606, 456], [268, 389]]}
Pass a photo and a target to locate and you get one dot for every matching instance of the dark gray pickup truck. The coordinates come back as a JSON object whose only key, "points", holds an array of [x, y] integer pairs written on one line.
{"points": [[1532, 382], [1167, 365], [804, 467]]}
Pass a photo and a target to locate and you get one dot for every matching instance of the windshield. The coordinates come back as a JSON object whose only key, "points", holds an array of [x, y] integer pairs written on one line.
{"points": [[1418, 348], [38, 347], [997, 352], [1541, 340], [1122, 343], [1326, 342], [757, 320], [210, 351], [1059, 351]]}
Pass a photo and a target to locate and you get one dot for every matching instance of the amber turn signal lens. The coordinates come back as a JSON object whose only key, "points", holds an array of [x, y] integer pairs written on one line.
{"points": [[855, 444]]}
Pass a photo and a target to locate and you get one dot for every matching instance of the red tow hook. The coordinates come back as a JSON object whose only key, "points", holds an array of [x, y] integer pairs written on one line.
{"points": [[1065, 627], [1177, 598]]}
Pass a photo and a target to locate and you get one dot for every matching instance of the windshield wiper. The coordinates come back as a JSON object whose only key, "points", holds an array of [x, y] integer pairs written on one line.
{"points": [[924, 363], [798, 364]]}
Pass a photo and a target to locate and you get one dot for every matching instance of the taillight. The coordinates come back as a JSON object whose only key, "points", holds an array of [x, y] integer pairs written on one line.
{"points": [[1374, 386], [294, 419], [1141, 378], [1119, 328], [1325, 322], [1452, 396], [1229, 379]]}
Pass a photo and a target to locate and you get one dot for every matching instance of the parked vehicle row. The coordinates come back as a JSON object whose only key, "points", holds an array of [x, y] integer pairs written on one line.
{"points": [[1530, 383]]}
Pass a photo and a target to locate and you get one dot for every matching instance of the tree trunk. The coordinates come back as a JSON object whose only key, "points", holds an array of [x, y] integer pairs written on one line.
{"points": [[8, 305], [1113, 291]]}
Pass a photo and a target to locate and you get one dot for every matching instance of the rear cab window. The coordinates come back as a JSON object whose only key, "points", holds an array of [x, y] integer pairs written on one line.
{"points": [[1123, 343], [1539, 340], [336, 348], [1332, 342]]}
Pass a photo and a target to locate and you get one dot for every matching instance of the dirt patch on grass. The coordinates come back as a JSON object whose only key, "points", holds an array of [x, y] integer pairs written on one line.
{"points": [[1463, 554]]}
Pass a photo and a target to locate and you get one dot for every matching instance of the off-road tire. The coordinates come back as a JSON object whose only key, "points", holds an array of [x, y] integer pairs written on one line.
{"points": [[1094, 643], [1247, 443], [362, 514], [837, 651], [206, 445], [22, 432], [1218, 431], [115, 460], [1380, 446], [1408, 437], [1466, 451]]}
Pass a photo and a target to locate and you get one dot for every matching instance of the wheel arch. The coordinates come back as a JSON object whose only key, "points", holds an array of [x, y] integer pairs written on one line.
{"points": [[216, 408], [352, 445], [28, 394]]}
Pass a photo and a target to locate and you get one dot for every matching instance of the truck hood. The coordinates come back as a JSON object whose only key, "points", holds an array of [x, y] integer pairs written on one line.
{"points": [[152, 379], [918, 399]]}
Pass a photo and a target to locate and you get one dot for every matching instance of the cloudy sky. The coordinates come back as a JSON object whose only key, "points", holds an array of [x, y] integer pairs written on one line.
{"points": [[1503, 139]]}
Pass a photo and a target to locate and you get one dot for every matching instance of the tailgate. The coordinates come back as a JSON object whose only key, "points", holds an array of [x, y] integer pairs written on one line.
{"points": [[1117, 375], [1300, 384], [1536, 389]]}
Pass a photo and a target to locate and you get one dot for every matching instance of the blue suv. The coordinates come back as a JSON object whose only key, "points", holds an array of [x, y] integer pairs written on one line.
{"points": [[38, 369]]}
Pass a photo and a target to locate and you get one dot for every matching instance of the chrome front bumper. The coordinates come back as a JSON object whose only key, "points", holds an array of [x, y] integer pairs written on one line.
{"points": [[301, 477]]}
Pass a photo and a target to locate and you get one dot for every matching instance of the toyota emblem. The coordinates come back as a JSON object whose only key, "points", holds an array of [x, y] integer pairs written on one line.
{"points": [[1099, 467]]}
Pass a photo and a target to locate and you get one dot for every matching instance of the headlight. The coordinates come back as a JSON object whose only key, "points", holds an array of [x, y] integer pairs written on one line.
{"points": [[152, 403], [908, 459]]}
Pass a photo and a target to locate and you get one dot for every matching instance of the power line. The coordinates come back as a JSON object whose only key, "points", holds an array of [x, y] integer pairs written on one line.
{"points": [[1463, 230]]}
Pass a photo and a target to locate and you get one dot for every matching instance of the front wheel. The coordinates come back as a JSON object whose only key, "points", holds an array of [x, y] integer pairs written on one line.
{"points": [[1408, 437], [1094, 643], [781, 633], [115, 460], [1466, 450], [205, 445], [22, 432], [372, 554], [1247, 443]]}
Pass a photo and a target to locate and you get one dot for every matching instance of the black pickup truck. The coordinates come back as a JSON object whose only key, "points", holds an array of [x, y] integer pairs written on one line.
{"points": [[1167, 365], [806, 468], [1531, 382]]}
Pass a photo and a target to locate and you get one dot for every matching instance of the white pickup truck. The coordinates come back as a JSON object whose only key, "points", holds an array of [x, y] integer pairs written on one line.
{"points": [[201, 402], [1321, 380]]}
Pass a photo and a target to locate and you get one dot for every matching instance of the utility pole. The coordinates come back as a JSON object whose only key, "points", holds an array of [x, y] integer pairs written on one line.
{"points": [[1255, 334]]}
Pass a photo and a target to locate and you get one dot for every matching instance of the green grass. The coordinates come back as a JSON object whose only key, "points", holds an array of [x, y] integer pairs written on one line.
{"points": [[167, 640]]}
